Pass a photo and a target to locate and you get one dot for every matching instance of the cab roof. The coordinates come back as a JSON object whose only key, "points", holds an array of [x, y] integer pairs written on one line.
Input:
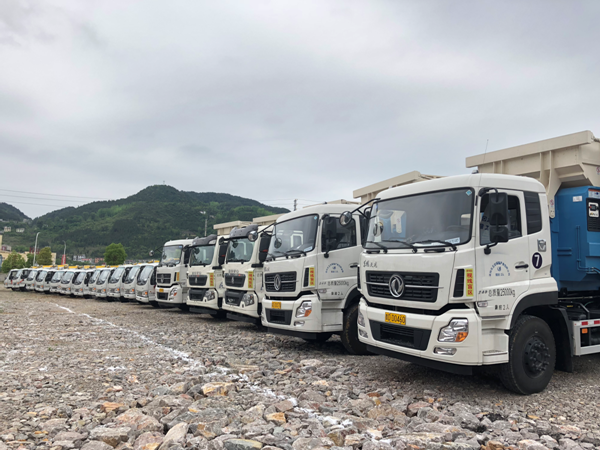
{"points": [[178, 242], [474, 181], [318, 209]]}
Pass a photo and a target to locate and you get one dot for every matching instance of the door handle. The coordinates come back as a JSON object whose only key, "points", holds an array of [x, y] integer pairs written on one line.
{"points": [[353, 265], [521, 266]]}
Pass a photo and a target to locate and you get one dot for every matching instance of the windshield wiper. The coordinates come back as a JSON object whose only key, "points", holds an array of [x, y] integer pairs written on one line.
{"points": [[236, 260], [433, 241], [383, 247], [300, 252], [408, 244]]}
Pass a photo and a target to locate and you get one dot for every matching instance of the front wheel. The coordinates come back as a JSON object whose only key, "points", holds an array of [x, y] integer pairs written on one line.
{"points": [[349, 333], [155, 304], [531, 356], [321, 337]]}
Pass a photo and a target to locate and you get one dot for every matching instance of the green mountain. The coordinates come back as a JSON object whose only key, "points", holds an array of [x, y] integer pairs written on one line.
{"points": [[141, 222], [8, 213]]}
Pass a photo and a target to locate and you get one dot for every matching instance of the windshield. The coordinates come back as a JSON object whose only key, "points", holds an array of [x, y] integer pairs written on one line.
{"points": [[171, 254], [239, 250], [32, 275], [80, 277], [67, 277], [94, 276], [202, 256], [131, 276], [116, 276], [430, 219], [145, 274], [41, 275], [103, 276], [294, 236], [57, 277]]}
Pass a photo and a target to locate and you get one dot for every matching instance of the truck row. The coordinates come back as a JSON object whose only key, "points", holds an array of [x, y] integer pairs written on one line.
{"points": [[497, 268]]}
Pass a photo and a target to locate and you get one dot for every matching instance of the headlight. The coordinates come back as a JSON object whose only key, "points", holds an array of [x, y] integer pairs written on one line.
{"points": [[361, 319], [210, 295], [145, 294], [173, 293], [247, 299], [117, 290], [304, 309], [456, 331]]}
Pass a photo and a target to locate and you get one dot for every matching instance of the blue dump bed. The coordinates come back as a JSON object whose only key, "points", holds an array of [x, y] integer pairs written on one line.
{"points": [[576, 240]]}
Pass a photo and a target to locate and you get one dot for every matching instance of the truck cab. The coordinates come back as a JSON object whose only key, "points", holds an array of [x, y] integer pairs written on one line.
{"points": [[498, 268], [18, 282], [80, 282], [129, 283], [66, 282], [205, 277], [9, 278], [310, 275], [40, 280], [101, 285], [171, 288], [115, 282], [145, 291], [55, 281], [30, 280], [89, 289]]}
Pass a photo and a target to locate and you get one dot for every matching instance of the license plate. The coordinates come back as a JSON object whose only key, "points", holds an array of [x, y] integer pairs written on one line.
{"points": [[276, 305], [161, 290], [399, 319]]}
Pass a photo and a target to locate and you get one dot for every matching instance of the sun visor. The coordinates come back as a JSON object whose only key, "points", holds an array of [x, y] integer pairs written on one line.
{"points": [[208, 240], [243, 232]]}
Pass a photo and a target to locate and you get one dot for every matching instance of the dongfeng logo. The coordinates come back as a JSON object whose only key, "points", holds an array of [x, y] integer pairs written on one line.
{"points": [[277, 282], [396, 285]]}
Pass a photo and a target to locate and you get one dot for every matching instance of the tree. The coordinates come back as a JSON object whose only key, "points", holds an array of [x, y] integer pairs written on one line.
{"points": [[115, 254], [29, 262], [44, 257], [13, 261]]}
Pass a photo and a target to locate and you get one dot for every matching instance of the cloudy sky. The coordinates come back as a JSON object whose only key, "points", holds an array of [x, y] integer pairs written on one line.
{"points": [[275, 99]]}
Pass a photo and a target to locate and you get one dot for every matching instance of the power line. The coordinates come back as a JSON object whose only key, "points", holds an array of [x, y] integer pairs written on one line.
{"points": [[55, 195], [41, 204], [38, 198]]}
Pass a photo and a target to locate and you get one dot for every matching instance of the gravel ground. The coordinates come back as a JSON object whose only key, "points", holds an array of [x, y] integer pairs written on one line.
{"points": [[78, 373]]}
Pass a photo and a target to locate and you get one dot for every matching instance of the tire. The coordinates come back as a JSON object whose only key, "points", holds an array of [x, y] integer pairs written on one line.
{"points": [[321, 337], [349, 333], [184, 307], [155, 304], [531, 356], [221, 314]]}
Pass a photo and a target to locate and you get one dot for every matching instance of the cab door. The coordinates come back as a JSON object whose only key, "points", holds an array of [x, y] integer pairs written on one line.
{"points": [[502, 276], [338, 253]]}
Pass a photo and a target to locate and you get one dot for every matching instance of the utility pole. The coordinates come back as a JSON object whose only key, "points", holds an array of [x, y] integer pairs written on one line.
{"points": [[35, 247], [295, 203], [64, 261]]}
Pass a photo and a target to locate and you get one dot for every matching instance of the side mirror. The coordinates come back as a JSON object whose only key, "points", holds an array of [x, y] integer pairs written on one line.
{"points": [[498, 234], [346, 218], [253, 236], [151, 253], [222, 252], [263, 247], [498, 208]]}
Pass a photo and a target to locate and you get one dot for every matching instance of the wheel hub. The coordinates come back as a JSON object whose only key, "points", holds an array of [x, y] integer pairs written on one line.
{"points": [[537, 356]]}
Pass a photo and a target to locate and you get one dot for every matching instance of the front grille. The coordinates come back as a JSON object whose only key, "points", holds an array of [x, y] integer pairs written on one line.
{"points": [[140, 293], [197, 294], [418, 287], [235, 280], [400, 335], [233, 297], [162, 295], [198, 280], [278, 316], [163, 278], [288, 282]]}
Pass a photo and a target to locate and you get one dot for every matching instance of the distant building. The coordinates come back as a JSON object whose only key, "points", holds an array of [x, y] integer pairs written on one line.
{"points": [[7, 229], [20, 230], [5, 248]]}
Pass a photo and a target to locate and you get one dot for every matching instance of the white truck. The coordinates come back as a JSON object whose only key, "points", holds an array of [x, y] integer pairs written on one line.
{"points": [[101, 284], [18, 282], [310, 275], [40, 280], [490, 269], [55, 281], [115, 283], [171, 287], [130, 282], [30, 280], [66, 282], [242, 273], [9, 278], [145, 290], [89, 290], [81, 281], [205, 277]]}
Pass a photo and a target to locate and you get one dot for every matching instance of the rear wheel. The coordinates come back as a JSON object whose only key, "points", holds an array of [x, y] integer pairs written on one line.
{"points": [[183, 307], [531, 356], [155, 304], [220, 314], [349, 333]]}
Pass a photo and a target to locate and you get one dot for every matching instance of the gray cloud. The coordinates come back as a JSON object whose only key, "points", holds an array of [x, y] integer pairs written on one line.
{"points": [[281, 100]]}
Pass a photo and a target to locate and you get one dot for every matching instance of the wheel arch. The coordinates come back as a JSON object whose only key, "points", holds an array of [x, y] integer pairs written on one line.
{"points": [[353, 297]]}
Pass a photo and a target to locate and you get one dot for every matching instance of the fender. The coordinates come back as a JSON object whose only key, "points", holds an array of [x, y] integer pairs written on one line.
{"points": [[532, 301], [353, 296]]}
